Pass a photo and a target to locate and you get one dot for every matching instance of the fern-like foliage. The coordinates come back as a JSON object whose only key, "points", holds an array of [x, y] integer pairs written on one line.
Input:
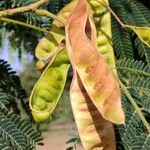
{"points": [[128, 136], [136, 76], [4, 100], [10, 133], [10, 84], [142, 84], [141, 143], [25, 126], [134, 72], [15, 132], [143, 50], [126, 43], [122, 41], [19, 36], [134, 67], [5, 145]]}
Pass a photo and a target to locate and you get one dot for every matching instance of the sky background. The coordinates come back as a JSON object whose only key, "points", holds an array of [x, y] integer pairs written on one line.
{"points": [[12, 57]]}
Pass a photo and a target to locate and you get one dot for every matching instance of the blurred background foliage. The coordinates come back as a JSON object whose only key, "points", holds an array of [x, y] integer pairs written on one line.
{"points": [[19, 36], [63, 112], [18, 43], [132, 56], [17, 130], [22, 41]]}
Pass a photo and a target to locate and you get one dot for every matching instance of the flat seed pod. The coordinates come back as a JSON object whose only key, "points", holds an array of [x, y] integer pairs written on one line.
{"points": [[104, 33], [95, 132], [48, 45], [94, 72], [47, 91], [143, 33]]}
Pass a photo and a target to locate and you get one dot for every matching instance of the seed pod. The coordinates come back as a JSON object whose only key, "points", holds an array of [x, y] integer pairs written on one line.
{"points": [[94, 72], [48, 45], [104, 33], [47, 91], [95, 132], [142, 32]]}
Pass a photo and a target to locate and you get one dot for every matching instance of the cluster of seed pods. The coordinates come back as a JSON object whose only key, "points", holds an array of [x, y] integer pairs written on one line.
{"points": [[94, 93]]}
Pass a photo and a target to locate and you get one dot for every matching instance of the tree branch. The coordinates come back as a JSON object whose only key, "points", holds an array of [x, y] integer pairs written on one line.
{"points": [[23, 24], [43, 12], [33, 7]]}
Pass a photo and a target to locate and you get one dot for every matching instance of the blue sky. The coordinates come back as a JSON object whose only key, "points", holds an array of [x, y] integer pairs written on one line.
{"points": [[12, 57]]}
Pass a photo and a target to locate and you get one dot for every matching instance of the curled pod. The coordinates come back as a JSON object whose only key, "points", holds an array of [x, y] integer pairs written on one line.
{"points": [[95, 74], [46, 48], [48, 45], [104, 33], [47, 91], [95, 132]]}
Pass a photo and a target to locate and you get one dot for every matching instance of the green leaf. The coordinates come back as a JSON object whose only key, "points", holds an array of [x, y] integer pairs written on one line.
{"points": [[4, 100], [135, 67], [9, 131], [5, 145], [141, 142], [27, 129], [126, 135], [121, 41], [141, 83], [143, 49]]}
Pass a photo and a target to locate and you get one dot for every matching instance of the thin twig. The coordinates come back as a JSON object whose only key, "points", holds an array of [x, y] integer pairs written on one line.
{"points": [[33, 7], [137, 109], [23, 24], [113, 13], [43, 12]]}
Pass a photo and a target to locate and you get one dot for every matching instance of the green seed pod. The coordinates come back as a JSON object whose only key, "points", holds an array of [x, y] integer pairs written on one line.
{"points": [[47, 91], [40, 104], [40, 117], [104, 31], [48, 45], [49, 87], [142, 32]]}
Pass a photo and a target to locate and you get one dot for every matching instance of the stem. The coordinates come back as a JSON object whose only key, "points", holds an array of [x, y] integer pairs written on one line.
{"points": [[33, 6], [113, 13], [43, 12], [23, 24], [137, 109]]}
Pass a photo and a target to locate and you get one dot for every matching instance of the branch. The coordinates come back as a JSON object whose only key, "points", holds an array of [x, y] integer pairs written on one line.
{"points": [[33, 6], [113, 13], [23, 24], [43, 12]]}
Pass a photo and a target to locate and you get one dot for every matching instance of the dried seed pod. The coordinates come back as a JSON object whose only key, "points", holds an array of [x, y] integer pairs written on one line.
{"points": [[95, 74]]}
